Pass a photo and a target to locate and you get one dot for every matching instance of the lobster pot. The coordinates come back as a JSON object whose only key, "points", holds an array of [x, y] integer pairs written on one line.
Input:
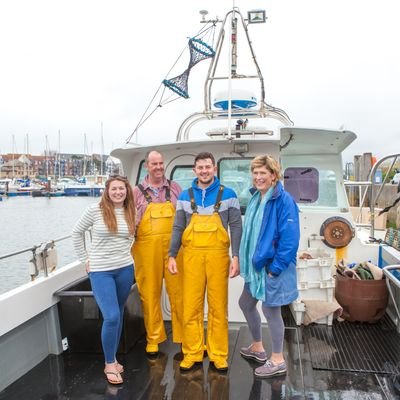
{"points": [[362, 300]]}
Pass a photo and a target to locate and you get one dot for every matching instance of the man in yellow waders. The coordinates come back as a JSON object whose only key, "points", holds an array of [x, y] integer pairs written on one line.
{"points": [[203, 214], [155, 200]]}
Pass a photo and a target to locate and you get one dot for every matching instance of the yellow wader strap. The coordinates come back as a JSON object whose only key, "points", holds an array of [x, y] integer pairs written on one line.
{"points": [[148, 197], [217, 204]]}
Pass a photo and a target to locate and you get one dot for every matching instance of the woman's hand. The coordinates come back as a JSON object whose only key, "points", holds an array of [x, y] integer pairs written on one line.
{"points": [[87, 266], [234, 269]]}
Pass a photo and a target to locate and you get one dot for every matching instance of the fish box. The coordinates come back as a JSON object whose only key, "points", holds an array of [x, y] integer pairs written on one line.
{"points": [[319, 267]]}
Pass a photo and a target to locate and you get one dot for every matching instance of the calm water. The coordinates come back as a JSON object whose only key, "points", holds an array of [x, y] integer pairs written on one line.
{"points": [[28, 221]]}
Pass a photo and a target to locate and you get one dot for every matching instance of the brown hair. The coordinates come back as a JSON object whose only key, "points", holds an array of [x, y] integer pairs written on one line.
{"points": [[268, 162], [107, 206], [204, 156]]}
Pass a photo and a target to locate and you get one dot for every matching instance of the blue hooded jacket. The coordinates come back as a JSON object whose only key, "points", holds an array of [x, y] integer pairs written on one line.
{"points": [[277, 246]]}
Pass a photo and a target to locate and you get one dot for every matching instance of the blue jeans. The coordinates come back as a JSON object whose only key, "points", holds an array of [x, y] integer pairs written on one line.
{"points": [[111, 290]]}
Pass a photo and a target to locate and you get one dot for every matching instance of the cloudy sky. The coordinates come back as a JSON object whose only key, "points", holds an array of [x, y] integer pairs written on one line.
{"points": [[74, 66]]}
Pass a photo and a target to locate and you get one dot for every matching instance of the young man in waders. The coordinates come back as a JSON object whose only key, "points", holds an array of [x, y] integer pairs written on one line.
{"points": [[203, 214]]}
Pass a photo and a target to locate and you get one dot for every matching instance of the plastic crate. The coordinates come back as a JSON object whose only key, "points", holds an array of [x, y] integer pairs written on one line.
{"points": [[303, 287], [318, 292], [298, 310], [317, 268]]}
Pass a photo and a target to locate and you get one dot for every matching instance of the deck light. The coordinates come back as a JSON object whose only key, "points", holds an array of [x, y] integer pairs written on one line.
{"points": [[240, 148], [256, 16]]}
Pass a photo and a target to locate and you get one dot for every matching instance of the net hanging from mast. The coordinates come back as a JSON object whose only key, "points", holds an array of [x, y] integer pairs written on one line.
{"points": [[199, 50]]}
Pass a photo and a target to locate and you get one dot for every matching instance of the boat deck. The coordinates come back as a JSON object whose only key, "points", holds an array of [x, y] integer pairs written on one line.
{"points": [[80, 376]]}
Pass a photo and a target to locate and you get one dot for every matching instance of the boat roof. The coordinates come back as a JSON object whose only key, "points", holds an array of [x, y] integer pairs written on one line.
{"points": [[302, 141], [293, 141]]}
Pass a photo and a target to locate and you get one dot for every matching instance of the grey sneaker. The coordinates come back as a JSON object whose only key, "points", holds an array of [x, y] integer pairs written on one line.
{"points": [[260, 356], [270, 369]]}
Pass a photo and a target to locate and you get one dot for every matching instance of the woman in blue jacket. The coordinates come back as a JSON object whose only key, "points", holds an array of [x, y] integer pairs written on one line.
{"points": [[268, 262]]}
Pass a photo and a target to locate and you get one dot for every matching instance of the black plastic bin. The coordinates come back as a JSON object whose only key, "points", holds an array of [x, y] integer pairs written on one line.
{"points": [[81, 320]]}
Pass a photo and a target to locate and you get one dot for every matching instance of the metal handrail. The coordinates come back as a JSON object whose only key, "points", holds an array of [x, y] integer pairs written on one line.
{"points": [[361, 198], [372, 179], [370, 183], [391, 278], [34, 248]]}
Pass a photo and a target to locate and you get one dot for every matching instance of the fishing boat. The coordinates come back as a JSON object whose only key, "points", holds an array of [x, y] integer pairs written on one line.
{"points": [[50, 326]]}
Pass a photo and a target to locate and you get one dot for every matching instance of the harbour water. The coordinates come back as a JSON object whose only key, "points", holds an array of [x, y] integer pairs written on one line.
{"points": [[28, 221]]}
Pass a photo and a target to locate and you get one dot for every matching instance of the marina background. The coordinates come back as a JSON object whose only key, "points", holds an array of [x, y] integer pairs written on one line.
{"points": [[27, 221], [327, 63]]}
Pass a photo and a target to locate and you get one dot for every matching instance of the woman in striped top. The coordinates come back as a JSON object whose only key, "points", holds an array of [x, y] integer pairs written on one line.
{"points": [[109, 262]]}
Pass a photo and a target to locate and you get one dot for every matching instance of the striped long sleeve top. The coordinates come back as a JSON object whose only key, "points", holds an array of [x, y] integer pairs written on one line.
{"points": [[107, 251]]}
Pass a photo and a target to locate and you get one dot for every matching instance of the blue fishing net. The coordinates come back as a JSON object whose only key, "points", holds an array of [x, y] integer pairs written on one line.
{"points": [[179, 84], [199, 51]]}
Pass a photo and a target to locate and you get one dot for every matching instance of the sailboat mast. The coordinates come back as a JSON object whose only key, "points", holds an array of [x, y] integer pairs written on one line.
{"points": [[47, 156], [85, 150], [102, 150], [27, 153], [59, 154], [13, 156]]}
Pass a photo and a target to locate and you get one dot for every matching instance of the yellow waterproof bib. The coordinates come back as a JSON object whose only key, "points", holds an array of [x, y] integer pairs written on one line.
{"points": [[150, 252], [206, 259], [205, 232]]}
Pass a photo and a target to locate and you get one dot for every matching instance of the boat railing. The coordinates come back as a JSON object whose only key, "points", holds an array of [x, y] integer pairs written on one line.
{"points": [[43, 256], [372, 189], [362, 190]]}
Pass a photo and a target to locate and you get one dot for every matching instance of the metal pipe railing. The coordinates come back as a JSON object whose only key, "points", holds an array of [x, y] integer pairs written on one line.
{"points": [[33, 249]]}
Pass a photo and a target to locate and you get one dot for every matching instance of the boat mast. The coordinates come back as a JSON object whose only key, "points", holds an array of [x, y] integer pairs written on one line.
{"points": [[27, 153], [59, 154], [85, 150], [102, 150], [232, 65], [13, 156], [47, 157]]}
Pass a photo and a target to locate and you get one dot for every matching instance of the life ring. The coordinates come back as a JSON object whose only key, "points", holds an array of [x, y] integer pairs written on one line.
{"points": [[337, 232]]}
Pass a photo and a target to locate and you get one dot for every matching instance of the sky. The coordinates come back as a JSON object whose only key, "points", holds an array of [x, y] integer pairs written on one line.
{"points": [[92, 67]]}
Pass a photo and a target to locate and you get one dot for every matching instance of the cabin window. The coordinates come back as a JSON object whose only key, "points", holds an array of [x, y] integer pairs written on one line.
{"points": [[183, 175], [235, 173], [308, 185]]}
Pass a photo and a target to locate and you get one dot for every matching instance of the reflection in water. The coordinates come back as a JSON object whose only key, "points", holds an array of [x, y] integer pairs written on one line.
{"points": [[112, 391], [189, 384], [218, 384], [157, 366], [269, 388]]}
